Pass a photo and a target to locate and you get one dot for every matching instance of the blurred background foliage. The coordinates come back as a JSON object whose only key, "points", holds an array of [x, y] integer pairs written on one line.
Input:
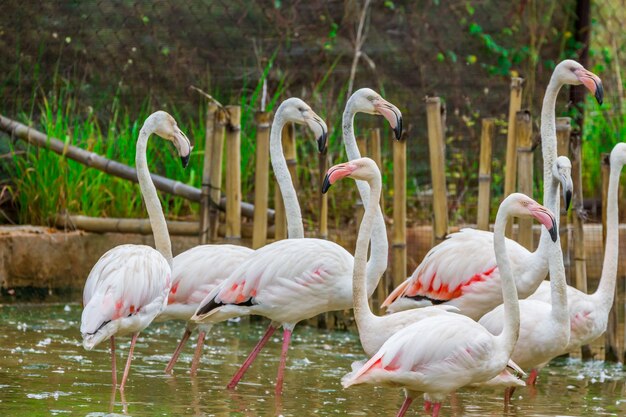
{"points": [[89, 72]]}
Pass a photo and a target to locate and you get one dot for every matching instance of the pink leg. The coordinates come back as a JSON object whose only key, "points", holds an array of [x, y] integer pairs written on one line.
{"points": [[197, 354], [283, 361], [268, 333], [128, 361], [427, 405], [405, 406], [179, 348], [113, 367], [508, 393], [436, 408], [532, 379]]}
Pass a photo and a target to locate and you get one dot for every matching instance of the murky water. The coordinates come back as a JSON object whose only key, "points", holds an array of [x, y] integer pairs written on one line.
{"points": [[45, 371]]}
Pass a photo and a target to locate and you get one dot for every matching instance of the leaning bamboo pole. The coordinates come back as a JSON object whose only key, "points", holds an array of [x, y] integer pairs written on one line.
{"points": [[436, 145], [563, 131], [114, 168], [205, 203], [233, 174], [515, 104], [611, 347], [523, 133], [261, 179], [487, 135]]}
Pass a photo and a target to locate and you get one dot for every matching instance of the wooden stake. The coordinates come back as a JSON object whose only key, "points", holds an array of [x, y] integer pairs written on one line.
{"points": [[510, 171], [563, 131], [580, 263], [436, 146], [398, 256], [484, 172], [359, 208], [611, 348], [523, 133], [233, 174], [261, 179], [215, 176], [375, 152], [289, 150], [205, 202]]}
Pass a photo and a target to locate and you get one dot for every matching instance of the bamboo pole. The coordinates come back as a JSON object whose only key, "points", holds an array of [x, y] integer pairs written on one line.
{"points": [[436, 146], [205, 203], [398, 256], [289, 150], [261, 179], [233, 174], [523, 133], [563, 131], [359, 208], [375, 152], [578, 240], [515, 104], [484, 172], [323, 167], [215, 177], [611, 348]]}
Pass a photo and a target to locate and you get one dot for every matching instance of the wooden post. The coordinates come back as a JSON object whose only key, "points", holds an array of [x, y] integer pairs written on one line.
{"points": [[436, 145], [288, 136], [375, 152], [359, 208], [215, 178], [523, 133], [510, 175], [233, 174], [484, 172], [398, 255], [205, 203], [323, 167], [261, 179], [563, 131], [611, 348]]}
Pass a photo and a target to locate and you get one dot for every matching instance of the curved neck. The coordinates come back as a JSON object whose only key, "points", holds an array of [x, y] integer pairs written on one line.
{"points": [[510, 331], [295, 228], [606, 289], [548, 146], [377, 264], [151, 199], [360, 295]]}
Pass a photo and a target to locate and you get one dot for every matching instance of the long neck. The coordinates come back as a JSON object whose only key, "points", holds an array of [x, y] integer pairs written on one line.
{"points": [[377, 263], [153, 205], [606, 289], [295, 228], [548, 146], [510, 331], [558, 285], [360, 295]]}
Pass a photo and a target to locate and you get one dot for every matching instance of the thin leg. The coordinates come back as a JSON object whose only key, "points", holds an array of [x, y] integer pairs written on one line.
{"points": [[436, 408], [179, 348], [197, 354], [268, 333], [113, 367], [405, 406], [427, 406], [532, 379], [128, 361], [283, 361], [508, 394]]}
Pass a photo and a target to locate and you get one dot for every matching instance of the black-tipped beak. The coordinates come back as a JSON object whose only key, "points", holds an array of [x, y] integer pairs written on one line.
{"points": [[321, 142], [567, 196], [185, 160], [554, 233], [326, 184], [398, 128], [599, 91]]}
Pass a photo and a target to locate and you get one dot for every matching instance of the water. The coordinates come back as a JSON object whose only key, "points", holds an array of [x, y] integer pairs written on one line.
{"points": [[45, 371]]}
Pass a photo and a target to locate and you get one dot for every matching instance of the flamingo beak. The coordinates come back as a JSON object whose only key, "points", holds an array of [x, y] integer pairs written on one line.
{"points": [[546, 218], [592, 82], [335, 173], [568, 190], [391, 113], [185, 160], [317, 125], [183, 145]]}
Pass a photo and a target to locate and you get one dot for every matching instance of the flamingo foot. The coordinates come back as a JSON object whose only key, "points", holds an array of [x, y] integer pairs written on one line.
{"points": [[197, 354], [268, 333], [405, 406], [532, 379], [283, 362], [436, 408], [113, 367], [128, 361], [179, 348], [427, 406]]}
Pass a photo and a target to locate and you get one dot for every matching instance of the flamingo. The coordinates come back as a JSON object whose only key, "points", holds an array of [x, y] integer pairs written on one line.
{"points": [[293, 280], [128, 286], [444, 352], [197, 272], [588, 313], [473, 284]]}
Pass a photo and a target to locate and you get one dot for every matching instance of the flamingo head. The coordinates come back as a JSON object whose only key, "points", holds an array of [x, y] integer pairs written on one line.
{"points": [[359, 169], [297, 111], [520, 205], [571, 72], [618, 155], [165, 126], [562, 172], [366, 100]]}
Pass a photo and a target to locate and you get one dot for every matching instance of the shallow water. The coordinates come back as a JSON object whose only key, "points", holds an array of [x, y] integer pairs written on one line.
{"points": [[45, 371]]}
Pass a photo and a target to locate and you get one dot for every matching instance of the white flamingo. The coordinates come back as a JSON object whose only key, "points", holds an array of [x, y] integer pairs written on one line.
{"points": [[128, 286], [473, 283], [292, 280], [588, 313], [442, 353]]}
